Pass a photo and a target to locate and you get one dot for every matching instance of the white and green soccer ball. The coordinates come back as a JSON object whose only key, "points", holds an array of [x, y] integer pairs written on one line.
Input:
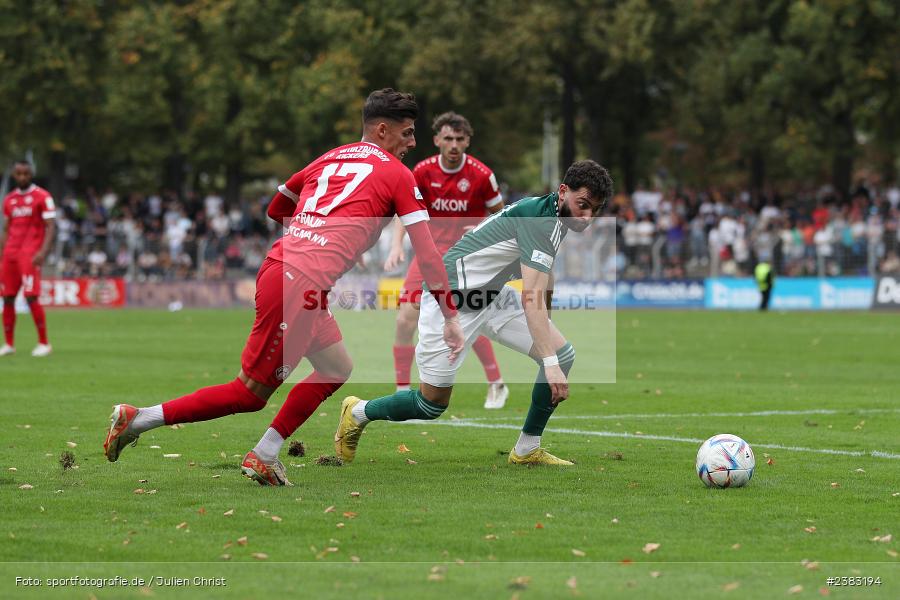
{"points": [[725, 460]]}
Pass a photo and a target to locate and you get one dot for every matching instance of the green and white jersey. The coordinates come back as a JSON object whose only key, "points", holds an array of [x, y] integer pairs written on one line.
{"points": [[528, 232]]}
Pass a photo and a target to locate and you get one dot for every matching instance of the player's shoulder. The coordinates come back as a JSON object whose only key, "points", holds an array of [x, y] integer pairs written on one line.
{"points": [[535, 206], [474, 165], [429, 164]]}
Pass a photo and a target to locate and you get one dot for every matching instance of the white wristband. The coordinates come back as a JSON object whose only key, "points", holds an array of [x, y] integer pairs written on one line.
{"points": [[551, 361]]}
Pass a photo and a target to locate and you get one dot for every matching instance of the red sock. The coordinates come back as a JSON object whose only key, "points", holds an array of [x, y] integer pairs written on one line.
{"points": [[302, 401], [403, 358], [40, 319], [485, 351], [211, 403], [9, 321]]}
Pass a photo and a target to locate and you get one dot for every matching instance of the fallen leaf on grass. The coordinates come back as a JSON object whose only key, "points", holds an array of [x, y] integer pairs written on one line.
{"points": [[538, 526], [354, 559], [339, 525], [242, 541], [171, 456], [795, 589], [810, 529], [155, 447], [812, 565], [650, 547], [329, 461], [520, 583], [12, 469], [329, 509], [892, 553], [410, 461], [225, 557], [835, 485], [770, 461], [655, 574], [354, 494], [349, 515], [260, 556], [139, 491], [572, 583], [730, 587], [71, 444], [884, 539], [615, 521], [402, 448], [276, 518], [181, 525], [736, 547], [201, 511], [490, 537], [435, 577], [228, 512], [578, 552], [26, 486], [860, 471], [824, 591]]}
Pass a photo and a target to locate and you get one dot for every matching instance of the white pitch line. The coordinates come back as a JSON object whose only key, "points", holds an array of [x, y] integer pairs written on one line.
{"points": [[761, 413], [664, 438]]}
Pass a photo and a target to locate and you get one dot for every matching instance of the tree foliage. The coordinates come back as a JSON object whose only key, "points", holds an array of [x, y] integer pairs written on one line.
{"points": [[214, 92]]}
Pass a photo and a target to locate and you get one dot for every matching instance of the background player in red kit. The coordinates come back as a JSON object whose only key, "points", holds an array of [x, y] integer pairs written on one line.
{"points": [[459, 190], [333, 210], [28, 213]]}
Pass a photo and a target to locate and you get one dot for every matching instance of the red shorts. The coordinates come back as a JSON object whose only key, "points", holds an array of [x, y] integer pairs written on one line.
{"points": [[412, 285], [18, 273], [292, 321]]}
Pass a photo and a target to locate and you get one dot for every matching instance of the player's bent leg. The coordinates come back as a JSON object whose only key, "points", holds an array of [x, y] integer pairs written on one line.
{"points": [[404, 350], [9, 325], [39, 317], [498, 392], [333, 367], [426, 403], [528, 449]]}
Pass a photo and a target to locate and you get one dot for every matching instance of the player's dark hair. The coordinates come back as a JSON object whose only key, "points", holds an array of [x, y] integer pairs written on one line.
{"points": [[454, 121], [390, 104], [26, 162], [589, 174]]}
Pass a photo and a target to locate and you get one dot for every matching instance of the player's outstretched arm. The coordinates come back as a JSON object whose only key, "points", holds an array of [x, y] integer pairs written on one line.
{"points": [[535, 288], [396, 256], [436, 278]]}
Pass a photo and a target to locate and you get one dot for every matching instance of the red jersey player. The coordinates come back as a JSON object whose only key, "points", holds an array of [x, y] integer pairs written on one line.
{"points": [[333, 211], [28, 229], [459, 190]]}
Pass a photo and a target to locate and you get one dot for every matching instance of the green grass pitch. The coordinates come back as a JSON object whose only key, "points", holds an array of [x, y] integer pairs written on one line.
{"points": [[816, 394]]}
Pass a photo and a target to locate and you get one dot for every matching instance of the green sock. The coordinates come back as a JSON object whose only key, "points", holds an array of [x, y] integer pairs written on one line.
{"points": [[541, 408], [402, 406]]}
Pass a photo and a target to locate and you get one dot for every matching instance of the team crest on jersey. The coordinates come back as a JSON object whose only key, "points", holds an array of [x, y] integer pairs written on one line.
{"points": [[463, 185], [282, 372], [27, 199]]}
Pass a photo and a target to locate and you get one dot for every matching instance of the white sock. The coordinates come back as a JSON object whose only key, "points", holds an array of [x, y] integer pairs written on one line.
{"points": [[527, 443], [359, 413], [403, 388], [498, 382], [147, 419], [269, 446]]}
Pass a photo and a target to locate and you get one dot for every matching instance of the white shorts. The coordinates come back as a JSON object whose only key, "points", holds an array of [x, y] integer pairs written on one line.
{"points": [[502, 321]]}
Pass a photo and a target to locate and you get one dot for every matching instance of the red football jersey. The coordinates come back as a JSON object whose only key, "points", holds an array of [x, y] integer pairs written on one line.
{"points": [[25, 211], [456, 199], [344, 199]]}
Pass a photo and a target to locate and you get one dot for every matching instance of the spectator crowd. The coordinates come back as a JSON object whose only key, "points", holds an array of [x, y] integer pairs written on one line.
{"points": [[671, 234]]}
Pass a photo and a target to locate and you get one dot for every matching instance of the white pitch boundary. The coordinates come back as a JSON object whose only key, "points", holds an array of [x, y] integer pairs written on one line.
{"points": [[664, 438], [761, 413]]}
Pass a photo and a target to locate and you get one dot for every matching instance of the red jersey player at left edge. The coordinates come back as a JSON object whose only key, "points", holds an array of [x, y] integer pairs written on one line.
{"points": [[28, 229], [333, 210]]}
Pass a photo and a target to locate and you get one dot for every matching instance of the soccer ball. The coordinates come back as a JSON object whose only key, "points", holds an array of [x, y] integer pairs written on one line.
{"points": [[725, 460]]}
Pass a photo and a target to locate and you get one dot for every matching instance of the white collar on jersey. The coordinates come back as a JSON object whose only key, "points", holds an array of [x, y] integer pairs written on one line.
{"points": [[27, 190], [462, 163]]}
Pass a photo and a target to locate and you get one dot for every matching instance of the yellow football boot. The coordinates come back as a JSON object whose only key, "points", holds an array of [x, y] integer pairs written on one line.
{"points": [[538, 456], [347, 435]]}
